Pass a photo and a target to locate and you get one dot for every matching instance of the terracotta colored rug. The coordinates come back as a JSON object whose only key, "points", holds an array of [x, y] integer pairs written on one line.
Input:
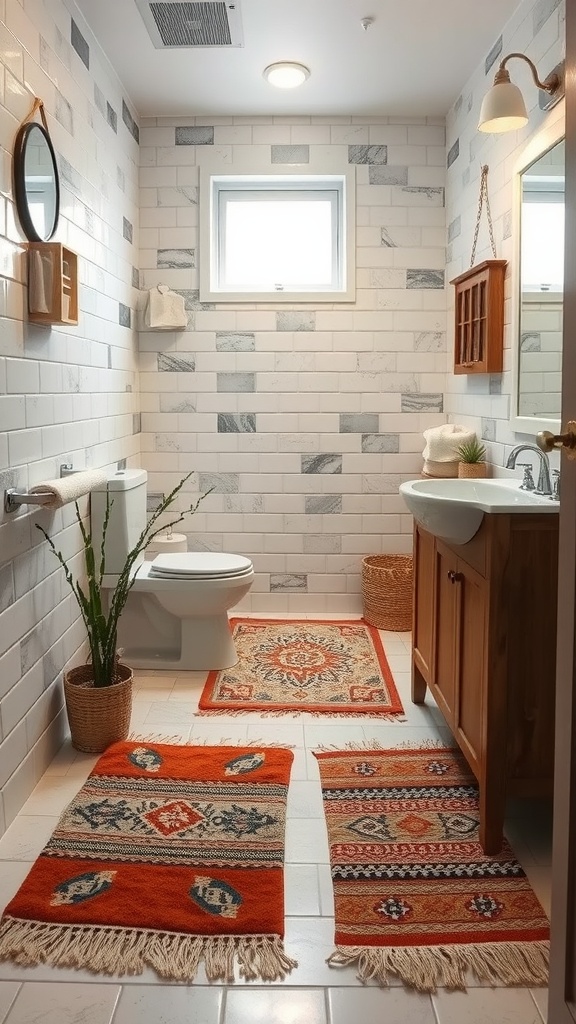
{"points": [[168, 856], [415, 894], [323, 667]]}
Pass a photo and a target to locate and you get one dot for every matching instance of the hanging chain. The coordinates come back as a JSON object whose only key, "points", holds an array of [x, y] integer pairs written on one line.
{"points": [[483, 197]]}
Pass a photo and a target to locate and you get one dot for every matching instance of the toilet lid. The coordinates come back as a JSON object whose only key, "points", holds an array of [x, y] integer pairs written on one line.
{"points": [[200, 565]]}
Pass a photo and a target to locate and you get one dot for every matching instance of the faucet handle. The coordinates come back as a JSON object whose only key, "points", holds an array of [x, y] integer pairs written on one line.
{"points": [[528, 480]]}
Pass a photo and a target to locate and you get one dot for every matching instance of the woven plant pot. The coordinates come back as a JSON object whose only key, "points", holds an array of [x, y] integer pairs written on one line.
{"points": [[98, 716], [472, 470], [387, 591]]}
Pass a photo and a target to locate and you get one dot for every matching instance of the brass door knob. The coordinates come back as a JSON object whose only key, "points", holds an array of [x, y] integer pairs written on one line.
{"points": [[547, 441]]}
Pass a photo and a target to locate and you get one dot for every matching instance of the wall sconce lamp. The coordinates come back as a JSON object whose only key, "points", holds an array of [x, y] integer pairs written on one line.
{"points": [[503, 108]]}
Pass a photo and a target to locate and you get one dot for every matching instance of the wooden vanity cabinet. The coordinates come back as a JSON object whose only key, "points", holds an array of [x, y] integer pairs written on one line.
{"points": [[484, 644]]}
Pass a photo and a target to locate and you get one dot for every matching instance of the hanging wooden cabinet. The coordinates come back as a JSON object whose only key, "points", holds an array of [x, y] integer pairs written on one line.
{"points": [[52, 283], [479, 327]]}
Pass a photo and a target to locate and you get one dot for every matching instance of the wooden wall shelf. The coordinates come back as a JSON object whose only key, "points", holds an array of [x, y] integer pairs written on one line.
{"points": [[52, 283], [479, 327]]}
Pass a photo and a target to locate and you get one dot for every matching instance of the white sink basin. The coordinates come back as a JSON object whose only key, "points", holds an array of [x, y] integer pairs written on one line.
{"points": [[454, 509]]}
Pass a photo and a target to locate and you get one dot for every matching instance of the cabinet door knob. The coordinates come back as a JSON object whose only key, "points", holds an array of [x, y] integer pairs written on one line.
{"points": [[454, 577]]}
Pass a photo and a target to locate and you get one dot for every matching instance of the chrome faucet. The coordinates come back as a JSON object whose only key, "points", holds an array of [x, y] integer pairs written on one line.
{"points": [[544, 485]]}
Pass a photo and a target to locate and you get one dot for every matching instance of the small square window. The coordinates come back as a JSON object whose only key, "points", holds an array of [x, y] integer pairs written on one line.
{"points": [[276, 237]]}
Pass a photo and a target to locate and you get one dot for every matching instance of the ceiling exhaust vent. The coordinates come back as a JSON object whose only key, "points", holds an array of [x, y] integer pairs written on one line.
{"points": [[171, 23]]}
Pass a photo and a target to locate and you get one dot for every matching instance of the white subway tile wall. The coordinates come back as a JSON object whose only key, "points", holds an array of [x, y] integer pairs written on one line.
{"points": [[302, 418], [66, 394]]}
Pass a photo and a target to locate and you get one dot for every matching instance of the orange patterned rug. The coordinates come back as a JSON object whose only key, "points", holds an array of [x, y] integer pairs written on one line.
{"points": [[323, 667], [168, 856], [415, 894]]}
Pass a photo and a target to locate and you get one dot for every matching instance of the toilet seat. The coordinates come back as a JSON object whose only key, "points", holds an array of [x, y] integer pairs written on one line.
{"points": [[200, 565]]}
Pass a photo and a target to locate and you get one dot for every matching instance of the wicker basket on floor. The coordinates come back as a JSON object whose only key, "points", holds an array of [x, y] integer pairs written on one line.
{"points": [[98, 716], [387, 591]]}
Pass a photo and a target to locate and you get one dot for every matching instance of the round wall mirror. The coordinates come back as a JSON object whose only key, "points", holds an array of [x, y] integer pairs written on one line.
{"points": [[36, 184]]}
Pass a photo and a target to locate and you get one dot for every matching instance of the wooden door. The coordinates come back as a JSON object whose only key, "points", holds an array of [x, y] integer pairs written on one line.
{"points": [[471, 592], [562, 996], [445, 598], [423, 600]]}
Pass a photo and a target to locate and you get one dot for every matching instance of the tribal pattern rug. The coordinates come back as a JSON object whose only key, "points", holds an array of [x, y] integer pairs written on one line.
{"points": [[334, 668], [415, 894], [169, 855]]}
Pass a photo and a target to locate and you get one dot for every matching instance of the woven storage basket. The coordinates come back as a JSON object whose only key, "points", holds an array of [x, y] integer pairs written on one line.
{"points": [[387, 591], [98, 716]]}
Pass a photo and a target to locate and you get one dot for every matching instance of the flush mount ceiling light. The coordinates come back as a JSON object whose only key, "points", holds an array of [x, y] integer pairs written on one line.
{"points": [[285, 74], [503, 108]]}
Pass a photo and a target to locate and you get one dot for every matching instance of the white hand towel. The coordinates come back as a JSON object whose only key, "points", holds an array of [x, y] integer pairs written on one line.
{"points": [[70, 488], [442, 442], [164, 310]]}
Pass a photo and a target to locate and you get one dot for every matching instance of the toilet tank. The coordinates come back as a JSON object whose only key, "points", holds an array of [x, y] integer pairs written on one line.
{"points": [[126, 490]]}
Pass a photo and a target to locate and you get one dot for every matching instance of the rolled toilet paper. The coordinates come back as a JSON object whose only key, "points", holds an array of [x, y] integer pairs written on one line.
{"points": [[167, 542]]}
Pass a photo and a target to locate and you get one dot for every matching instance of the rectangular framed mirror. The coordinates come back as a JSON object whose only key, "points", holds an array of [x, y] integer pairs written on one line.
{"points": [[538, 280]]}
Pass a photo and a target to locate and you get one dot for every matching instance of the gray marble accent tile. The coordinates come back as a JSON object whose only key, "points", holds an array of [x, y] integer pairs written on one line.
{"points": [[386, 443], [130, 122], [135, 277], [79, 44], [386, 239], [290, 154], [430, 341], [507, 224], [367, 154], [175, 259], [358, 423], [322, 504], [124, 315], [454, 228], [324, 463], [542, 11], [382, 174], [376, 362], [192, 299], [424, 278], [153, 500], [495, 384], [531, 341], [136, 423], [99, 99], [434, 196], [191, 136], [111, 117], [235, 341], [236, 423], [64, 112], [167, 443], [418, 402], [176, 362], [488, 429], [251, 503], [235, 382], [221, 483], [295, 321], [176, 403], [127, 230], [453, 153], [280, 581], [493, 55], [322, 544], [6, 586], [121, 464], [109, 357]]}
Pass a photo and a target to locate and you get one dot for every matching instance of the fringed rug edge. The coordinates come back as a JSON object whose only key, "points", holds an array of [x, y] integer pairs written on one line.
{"points": [[383, 716], [424, 968], [121, 951]]}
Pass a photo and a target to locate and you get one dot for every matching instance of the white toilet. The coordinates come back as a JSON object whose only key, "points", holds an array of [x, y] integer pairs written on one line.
{"points": [[176, 613]]}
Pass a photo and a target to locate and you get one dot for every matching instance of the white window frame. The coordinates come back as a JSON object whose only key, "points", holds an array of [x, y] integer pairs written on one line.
{"points": [[216, 188]]}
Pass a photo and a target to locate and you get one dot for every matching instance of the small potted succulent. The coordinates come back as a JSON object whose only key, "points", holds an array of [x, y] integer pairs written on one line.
{"points": [[472, 455], [99, 694]]}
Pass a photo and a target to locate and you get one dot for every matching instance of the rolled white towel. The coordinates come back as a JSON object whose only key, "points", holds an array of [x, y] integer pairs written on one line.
{"points": [[442, 442], [440, 469], [70, 488]]}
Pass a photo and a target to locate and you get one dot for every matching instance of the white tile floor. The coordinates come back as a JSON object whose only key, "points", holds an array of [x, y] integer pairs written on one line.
{"points": [[314, 993]]}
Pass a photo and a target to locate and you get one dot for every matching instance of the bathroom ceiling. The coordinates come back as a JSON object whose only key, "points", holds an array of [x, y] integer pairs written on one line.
{"points": [[413, 59]]}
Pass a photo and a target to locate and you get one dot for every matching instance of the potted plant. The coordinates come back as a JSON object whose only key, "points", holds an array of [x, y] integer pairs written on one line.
{"points": [[472, 454], [99, 694]]}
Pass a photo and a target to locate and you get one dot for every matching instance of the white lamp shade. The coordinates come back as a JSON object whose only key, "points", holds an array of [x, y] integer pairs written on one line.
{"points": [[286, 74], [503, 109]]}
